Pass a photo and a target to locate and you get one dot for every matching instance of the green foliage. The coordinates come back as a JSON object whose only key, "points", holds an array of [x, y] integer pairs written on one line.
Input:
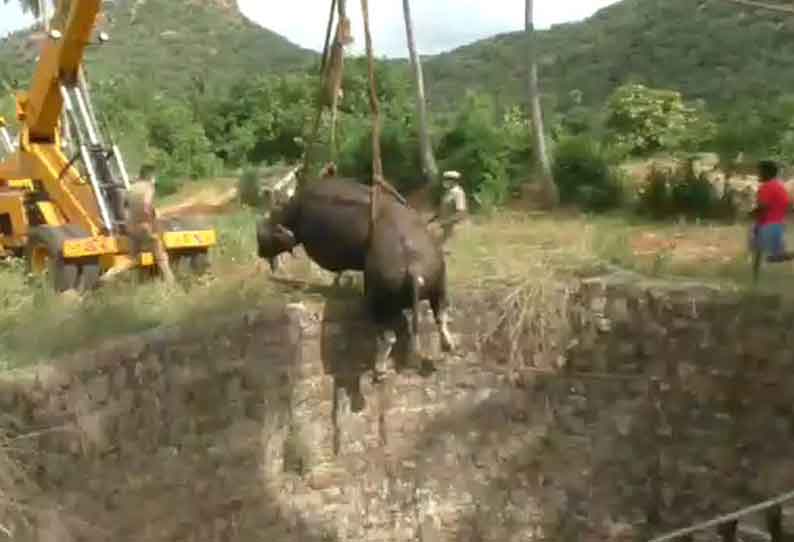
{"points": [[679, 191], [174, 47], [261, 117], [487, 150], [586, 175], [178, 145], [249, 187], [645, 120], [718, 51]]}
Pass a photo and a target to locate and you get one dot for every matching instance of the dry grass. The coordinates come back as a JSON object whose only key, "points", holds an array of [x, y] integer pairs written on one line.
{"points": [[17, 491], [521, 255]]}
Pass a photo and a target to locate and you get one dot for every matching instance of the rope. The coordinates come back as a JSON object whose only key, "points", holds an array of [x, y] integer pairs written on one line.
{"points": [[726, 518], [377, 165], [378, 181], [333, 76], [307, 155], [324, 59]]}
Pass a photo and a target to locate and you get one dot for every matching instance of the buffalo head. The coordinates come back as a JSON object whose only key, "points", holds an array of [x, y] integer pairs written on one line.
{"points": [[272, 240]]}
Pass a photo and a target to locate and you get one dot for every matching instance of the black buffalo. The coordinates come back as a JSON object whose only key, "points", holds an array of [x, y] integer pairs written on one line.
{"points": [[329, 218], [402, 263]]}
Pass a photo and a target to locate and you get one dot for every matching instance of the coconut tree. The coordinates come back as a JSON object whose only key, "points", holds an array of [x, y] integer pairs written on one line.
{"points": [[551, 194], [429, 167]]}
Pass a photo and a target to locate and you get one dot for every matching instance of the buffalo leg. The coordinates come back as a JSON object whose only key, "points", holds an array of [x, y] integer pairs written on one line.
{"points": [[413, 324], [441, 314], [384, 341]]}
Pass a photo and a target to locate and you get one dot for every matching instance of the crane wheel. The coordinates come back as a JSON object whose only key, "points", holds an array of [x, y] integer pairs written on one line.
{"points": [[194, 261], [199, 262], [44, 253]]}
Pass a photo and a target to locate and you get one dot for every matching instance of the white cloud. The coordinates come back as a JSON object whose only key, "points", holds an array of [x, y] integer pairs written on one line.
{"points": [[440, 25]]}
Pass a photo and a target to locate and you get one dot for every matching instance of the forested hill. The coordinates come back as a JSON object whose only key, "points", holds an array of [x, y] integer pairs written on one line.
{"points": [[171, 46], [713, 49], [709, 49]]}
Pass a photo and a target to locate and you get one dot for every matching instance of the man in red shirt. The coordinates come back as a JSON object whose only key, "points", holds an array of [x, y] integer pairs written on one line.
{"points": [[772, 205]]}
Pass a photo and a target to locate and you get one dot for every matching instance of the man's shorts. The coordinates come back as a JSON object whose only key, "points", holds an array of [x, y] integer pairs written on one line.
{"points": [[768, 239]]}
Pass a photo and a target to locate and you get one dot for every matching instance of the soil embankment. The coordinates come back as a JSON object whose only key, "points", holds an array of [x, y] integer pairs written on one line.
{"points": [[646, 408]]}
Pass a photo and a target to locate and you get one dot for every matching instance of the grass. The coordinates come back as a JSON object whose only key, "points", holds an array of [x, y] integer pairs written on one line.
{"points": [[512, 252]]}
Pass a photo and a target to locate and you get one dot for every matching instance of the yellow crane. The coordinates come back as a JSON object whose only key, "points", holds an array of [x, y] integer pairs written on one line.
{"points": [[65, 214]]}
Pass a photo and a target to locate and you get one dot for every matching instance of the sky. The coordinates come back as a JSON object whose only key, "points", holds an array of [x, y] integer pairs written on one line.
{"points": [[439, 25]]}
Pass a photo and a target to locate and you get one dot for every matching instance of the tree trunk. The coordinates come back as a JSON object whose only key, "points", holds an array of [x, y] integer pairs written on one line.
{"points": [[551, 195], [429, 166]]}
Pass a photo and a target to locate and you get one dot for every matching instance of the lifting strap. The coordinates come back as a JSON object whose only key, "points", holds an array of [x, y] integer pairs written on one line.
{"points": [[331, 69], [378, 181], [336, 6]]}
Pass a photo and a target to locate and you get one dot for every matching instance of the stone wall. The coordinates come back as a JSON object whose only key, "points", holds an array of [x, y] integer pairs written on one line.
{"points": [[661, 407]]}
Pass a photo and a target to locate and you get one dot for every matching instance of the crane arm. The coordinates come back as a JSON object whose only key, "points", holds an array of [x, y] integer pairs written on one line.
{"points": [[59, 63]]}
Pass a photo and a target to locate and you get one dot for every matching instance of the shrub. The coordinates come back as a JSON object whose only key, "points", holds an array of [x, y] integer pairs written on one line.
{"points": [[178, 145], [693, 195], [654, 196], [399, 151], [585, 174], [490, 152], [249, 188], [681, 192], [166, 186]]}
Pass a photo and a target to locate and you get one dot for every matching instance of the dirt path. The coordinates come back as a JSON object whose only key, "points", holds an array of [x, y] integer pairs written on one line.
{"points": [[207, 201]]}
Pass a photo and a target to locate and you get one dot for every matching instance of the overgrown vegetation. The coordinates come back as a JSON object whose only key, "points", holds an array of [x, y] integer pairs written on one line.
{"points": [[587, 175], [680, 192]]}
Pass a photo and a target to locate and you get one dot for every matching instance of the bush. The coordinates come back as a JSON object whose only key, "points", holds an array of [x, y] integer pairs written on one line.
{"points": [[654, 197], [681, 192], [399, 151], [179, 148], [166, 186], [693, 195], [586, 175], [249, 188], [491, 152]]}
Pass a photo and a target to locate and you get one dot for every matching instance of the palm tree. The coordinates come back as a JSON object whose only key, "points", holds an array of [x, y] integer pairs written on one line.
{"points": [[429, 167], [551, 195]]}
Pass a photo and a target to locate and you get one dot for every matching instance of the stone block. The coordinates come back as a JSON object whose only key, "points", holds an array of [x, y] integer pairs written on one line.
{"points": [[98, 388], [98, 430]]}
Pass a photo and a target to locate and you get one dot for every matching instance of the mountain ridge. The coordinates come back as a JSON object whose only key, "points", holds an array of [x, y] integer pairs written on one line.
{"points": [[711, 50]]}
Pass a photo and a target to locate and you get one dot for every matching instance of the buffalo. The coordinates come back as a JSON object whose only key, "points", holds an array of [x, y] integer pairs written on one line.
{"points": [[329, 218], [402, 262], [404, 265]]}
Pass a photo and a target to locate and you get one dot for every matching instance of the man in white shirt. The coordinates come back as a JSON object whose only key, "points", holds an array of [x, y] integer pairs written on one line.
{"points": [[453, 208]]}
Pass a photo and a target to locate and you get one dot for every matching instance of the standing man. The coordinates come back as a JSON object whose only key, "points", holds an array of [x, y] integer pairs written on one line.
{"points": [[142, 227], [773, 203], [453, 207]]}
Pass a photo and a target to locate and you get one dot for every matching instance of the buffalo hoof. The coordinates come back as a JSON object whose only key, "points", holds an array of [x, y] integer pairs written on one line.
{"points": [[378, 376], [385, 342], [448, 343]]}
